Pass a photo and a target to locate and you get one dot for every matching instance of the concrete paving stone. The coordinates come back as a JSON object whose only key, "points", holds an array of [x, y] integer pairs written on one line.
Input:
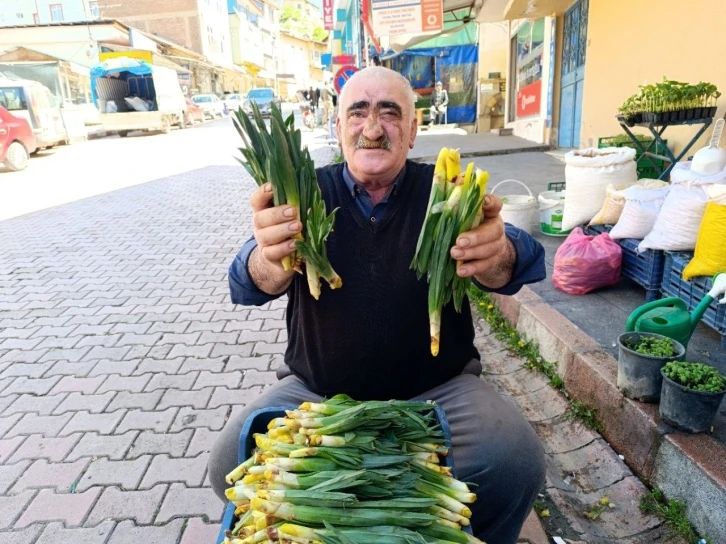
{"points": [[264, 314], [48, 426], [501, 363], [114, 318], [10, 472], [133, 384], [224, 396], [172, 381], [43, 405], [66, 368], [129, 328], [262, 348], [532, 531], [60, 476], [127, 474], [146, 308], [265, 335], [180, 350], [77, 402], [521, 382], [119, 368], [198, 532], [54, 450], [102, 340], [261, 362], [139, 339], [188, 470], [29, 535], [158, 421], [183, 501], [70, 508], [149, 442], [71, 384], [193, 364], [144, 401], [7, 401], [205, 326], [14, 332], [213, 419], [202, 442], [33, 386], [9, 446], [24, 356], [85, 320], [60, 354], [55, 331], [222, 350], [56, 532], [110, 354], [5, 383], [270, 324], [94, 330], [255, 377], [564, 436], [620, 522], [115, 504], [92, 445], [168, 317], [213, 379], [128, 533], [162, 366], [11, 507], [20, 343], [282, 337], [100, 423], [160, 352], [542, 405], [166, 328], [189, 339], [252, 325], [195, 399], [218, 338], [191, 308], [589, 468]]}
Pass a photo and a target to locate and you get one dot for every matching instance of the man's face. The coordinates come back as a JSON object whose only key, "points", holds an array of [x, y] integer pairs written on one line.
{"points": [[375, 128]]}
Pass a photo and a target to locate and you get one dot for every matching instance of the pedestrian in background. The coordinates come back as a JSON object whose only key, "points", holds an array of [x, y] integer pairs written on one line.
{"points": [[439, 102]]}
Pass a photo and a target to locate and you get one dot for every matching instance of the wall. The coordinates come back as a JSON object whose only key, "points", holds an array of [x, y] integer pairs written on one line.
{"points": [[296, 59], [493, 44], [21, 12], [654, 38]]}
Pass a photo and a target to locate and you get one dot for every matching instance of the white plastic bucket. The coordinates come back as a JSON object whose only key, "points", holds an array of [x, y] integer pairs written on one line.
{"points": [[518, 210], [551, 210]]}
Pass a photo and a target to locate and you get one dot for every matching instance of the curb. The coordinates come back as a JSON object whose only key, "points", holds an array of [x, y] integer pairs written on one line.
{"points": [[691, 468], [489, 153]]}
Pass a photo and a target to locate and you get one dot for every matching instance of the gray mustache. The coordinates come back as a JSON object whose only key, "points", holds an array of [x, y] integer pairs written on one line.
{"points": [[381, 143]]}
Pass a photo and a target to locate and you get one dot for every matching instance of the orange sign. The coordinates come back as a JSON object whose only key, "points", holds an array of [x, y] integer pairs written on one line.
{"points": [[432, 15]]}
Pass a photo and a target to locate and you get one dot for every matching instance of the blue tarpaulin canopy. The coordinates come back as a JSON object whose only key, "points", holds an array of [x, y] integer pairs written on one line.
{"points": [[119, 67]]}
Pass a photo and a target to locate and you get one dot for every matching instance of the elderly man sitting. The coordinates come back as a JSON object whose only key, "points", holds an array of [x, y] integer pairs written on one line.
{"points": [[370, 339]]}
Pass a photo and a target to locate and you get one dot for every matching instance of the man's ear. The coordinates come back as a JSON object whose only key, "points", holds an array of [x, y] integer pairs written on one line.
{"points": [[414, 132], [337, 132]]}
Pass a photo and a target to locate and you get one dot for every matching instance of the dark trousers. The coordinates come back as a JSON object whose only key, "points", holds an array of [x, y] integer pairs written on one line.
{"points": [[494, 447]]}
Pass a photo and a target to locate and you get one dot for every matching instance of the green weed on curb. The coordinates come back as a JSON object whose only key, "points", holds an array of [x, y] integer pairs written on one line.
{"points": [[673, 513], [529, 351]]}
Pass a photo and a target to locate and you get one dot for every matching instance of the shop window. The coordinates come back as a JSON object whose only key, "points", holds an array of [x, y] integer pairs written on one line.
{"points": [[36, 19], [56, 12], [94, 10]]}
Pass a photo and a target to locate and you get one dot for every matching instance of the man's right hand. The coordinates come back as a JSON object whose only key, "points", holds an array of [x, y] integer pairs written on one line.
{"points": [[274, 227]]}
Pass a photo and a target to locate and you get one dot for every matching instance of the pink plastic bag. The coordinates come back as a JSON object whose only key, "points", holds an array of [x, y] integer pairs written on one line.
{"points": [[585, 263]]}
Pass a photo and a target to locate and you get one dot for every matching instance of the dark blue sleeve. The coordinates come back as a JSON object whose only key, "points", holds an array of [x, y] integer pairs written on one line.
{"points": [[241, 287], [529, 266]]}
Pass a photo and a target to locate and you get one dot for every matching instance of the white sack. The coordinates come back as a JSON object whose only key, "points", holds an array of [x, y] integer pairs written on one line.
{"points": [[678, 222], [682, 173], [642, 204], [588, 173]]}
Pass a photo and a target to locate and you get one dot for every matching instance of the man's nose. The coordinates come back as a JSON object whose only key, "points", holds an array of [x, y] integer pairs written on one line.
{"points": [[373, 129]]}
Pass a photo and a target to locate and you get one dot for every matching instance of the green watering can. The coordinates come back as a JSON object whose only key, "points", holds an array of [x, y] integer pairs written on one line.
{"points": [[669, 316]]}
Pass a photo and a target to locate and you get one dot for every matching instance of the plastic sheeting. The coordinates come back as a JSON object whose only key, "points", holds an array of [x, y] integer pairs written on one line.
{"points": [[120, 67]]}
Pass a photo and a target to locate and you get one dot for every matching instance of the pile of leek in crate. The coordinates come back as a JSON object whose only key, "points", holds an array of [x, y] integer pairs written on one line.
{"points": [[455, 207], [348, 472], [276, 155]]}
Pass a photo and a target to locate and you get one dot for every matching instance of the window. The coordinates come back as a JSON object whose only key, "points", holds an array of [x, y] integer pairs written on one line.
{"points": [[94, 10], [13, 99], [36, 19], [56, 12]]}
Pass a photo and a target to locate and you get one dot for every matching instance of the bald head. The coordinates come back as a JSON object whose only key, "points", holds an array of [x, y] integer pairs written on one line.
{"points": [[374, 75]]}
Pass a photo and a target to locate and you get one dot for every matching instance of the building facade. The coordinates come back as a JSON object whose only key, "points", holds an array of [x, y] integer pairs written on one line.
{"points": [[246, 38], [28, 12], [301, 62]]}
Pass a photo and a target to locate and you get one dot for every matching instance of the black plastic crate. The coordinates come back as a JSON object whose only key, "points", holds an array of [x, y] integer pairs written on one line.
{"points": [[692, 291], [645, 269]]}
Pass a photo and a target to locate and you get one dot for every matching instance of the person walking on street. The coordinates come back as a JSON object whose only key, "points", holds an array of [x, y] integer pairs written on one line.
{"points": [[311, 99], [370, 339], [326, 95], [439, 103]]}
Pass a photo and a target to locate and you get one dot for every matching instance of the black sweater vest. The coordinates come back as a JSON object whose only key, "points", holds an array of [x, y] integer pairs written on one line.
{"points": [[370, 338]]}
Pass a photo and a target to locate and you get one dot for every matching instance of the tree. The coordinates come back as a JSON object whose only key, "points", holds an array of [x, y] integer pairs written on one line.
{"points": [[294, 21]]}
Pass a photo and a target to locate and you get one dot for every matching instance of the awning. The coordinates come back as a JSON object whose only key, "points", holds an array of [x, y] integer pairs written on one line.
{"points": [[494, 11], [158, 58]]}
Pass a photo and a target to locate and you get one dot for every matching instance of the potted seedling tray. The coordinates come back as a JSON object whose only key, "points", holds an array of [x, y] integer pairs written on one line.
{"points": [[257, 423]]}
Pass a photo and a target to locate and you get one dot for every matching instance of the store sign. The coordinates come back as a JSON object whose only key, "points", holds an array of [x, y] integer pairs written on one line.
{"points": [[344, 59], [529, 99], [394, 17], [328, 16], [146, 56]]}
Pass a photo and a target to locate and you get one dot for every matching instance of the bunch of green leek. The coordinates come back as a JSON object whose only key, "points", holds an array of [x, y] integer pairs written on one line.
{"points": [[455, 206], [348, 472], [276, 155]]}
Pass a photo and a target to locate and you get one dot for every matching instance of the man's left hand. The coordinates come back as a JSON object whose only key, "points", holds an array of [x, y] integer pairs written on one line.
{"points": [[487, 253]]}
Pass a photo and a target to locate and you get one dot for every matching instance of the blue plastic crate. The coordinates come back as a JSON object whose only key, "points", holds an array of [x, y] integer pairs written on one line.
{"points": [[257, 423], [692, 291], [645, 269]]}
